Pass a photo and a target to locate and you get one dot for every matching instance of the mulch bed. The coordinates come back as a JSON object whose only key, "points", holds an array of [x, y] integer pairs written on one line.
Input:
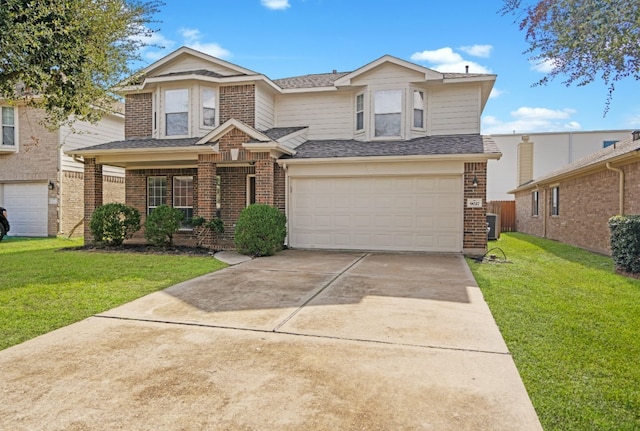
{"points": [[177, 250]]}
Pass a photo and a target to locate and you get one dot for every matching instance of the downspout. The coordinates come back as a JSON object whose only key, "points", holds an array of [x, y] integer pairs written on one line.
{"points": [[621, 186]]}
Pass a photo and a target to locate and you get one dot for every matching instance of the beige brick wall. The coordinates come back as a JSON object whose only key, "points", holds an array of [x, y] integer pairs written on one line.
{"points": [[586, 204]]}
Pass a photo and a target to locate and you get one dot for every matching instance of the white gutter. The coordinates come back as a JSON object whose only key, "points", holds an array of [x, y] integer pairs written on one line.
{"points": [[620, 186], [382, 159]]}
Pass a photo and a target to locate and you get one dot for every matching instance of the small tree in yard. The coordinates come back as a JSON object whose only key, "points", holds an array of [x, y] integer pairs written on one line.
{"points": [[260, 230], [625, 242], [112, 223], [161, 224]]}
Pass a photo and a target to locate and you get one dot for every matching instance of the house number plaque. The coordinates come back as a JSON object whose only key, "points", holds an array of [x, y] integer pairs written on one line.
{"points": [[474, 203]]}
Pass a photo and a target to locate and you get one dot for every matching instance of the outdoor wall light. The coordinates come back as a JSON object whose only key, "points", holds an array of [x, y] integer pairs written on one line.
{"points": [[474, 183], [51, 185]]}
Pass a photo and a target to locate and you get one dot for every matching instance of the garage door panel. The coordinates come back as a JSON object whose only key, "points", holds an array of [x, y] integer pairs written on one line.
{"points": [[28, 206], [378, 213]]}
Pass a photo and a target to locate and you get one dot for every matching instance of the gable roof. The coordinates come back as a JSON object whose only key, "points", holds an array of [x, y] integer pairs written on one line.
{"points": [[620, 151]]}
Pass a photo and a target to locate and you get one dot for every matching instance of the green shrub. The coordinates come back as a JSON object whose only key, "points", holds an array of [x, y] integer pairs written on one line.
{"points": [[112, 223], [625, 242], [260, 230], [215, 224], [161, 224]]}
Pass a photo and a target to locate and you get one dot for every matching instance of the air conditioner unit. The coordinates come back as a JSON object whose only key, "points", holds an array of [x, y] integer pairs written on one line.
{"points": [[493, 227]]}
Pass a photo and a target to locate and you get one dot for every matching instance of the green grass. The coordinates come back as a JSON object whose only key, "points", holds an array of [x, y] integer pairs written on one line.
{"points": [[43, 288], [573, 327]]}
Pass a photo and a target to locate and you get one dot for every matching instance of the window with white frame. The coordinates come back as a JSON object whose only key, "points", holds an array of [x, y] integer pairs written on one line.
{"points": [[418, 109], [360, 112], [555, 201], [208, 96], [535, 203], [8, 126], [177, 112], [156, 192], [388, 113], [183, 198]]}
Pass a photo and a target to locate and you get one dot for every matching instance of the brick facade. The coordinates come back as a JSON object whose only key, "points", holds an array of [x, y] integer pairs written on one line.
{"points": [[475, 219], [238, 102], [586, 204], [138, 121], [93, 197]]}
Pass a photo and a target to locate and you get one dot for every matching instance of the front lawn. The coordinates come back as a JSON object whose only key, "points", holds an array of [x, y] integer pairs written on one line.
{"points": [[573, 328], [43, 288]]}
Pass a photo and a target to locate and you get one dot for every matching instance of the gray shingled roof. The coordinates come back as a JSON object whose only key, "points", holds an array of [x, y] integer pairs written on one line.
{"points": [[278, 132], [599, 157], [202, 72], [424, 146], [310, 81], [142, 143]]}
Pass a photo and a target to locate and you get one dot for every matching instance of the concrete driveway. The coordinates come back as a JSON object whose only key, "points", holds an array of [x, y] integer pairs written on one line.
{"points": [[301, 340]]}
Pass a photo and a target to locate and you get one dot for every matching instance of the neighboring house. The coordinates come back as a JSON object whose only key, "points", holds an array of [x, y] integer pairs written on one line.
{"points": [[386, 157], [574, 204], [542, 153], [41, 188]]}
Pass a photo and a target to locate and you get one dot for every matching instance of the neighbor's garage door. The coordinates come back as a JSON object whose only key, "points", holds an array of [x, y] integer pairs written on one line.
{"points": [[27, 206], [377, 213]]}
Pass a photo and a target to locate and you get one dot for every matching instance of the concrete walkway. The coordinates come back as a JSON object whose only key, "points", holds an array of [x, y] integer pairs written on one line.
{"points": [[301, 340]]}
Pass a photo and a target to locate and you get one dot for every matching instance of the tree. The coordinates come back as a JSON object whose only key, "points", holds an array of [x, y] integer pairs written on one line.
{"points": [[65, 56], [582, 39]]}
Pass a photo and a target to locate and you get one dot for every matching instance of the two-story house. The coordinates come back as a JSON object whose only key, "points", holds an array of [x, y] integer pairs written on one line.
{"points": [[40, 186], [386, 157]]}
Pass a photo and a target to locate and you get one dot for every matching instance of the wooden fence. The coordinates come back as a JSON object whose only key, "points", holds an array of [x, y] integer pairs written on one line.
{"points": [[506, 211]]}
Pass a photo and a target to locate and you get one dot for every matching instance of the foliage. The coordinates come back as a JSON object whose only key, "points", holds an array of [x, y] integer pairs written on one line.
{"points": [[582, 39], [64, 56], [161, 224], [44, 288], [625, 242], [215, 224], [571, 324], [260, 230], [112, 223]]}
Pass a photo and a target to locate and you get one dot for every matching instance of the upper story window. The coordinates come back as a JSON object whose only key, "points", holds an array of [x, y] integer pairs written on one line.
{"points": [[418, 109], [177, 112], [208, 107], [360, 112], [388, 113], [8, 126]]}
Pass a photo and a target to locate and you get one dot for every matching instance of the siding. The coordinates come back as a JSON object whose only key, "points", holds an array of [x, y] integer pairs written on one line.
{"points": [[190, 63], [387, 76], [454, 110], [265, 109], [329, 116]]}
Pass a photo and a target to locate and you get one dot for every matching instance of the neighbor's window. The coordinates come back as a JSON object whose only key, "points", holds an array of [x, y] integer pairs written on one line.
{"points": [[388, 112], [177, 112], [535, 206], [8, 126], [360, 112], [555, 201], [418, 109], [208, 107], [156, 192], [183, 198], [606, 144]]}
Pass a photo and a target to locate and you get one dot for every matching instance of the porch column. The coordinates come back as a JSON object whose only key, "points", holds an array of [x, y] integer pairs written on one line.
{"points": [[92, 194], [264, 181], [207, 192]]}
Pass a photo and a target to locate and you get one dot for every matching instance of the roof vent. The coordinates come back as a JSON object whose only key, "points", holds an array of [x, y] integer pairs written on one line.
{"points": [[635, 135], [335, 71], [466, 69]]}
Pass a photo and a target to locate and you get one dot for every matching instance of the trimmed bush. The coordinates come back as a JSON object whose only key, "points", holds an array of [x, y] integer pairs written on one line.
{"points": [[161, 224], [260, 230], [112, 223], [625, 242]]}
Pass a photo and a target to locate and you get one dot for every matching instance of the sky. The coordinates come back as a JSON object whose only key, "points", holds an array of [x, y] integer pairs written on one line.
{"points": [[285, 38]]}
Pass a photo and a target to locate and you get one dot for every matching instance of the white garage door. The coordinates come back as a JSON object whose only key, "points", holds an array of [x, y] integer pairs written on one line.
{"points": [[377, 213], [27, 205]]}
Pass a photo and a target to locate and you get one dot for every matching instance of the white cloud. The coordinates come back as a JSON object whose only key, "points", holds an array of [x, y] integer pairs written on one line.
{"points": [[495, 93], [543, 66], [528, 120], [276, 4], [191, 37], [446, 60], [477, 50]]}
